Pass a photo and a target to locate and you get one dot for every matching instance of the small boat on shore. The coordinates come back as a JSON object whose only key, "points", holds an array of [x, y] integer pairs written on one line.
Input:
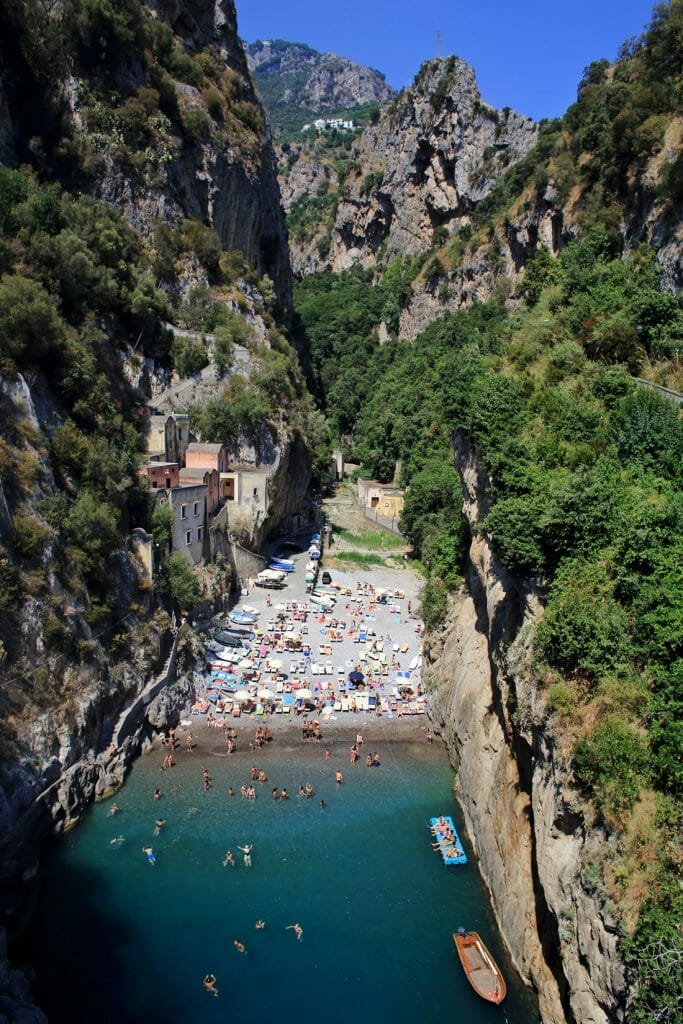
{"points": [[281, 565], [242, 618], [481, 969]]}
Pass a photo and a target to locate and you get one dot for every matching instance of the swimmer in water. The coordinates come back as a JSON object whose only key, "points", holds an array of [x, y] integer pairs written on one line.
{"points": [[239, 946], [339, 777], [260, 925], [158, 825], [229, 860], [246, 850], [117, 839], [114, 809], [150, 855], [298, 930], [157, 794], [209, 984]]}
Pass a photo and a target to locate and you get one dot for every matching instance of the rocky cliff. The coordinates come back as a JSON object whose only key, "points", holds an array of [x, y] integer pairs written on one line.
{"points": [[165, 127], [145, 139], [434, 153], [295, 76], [528, 826], [472, 193]]}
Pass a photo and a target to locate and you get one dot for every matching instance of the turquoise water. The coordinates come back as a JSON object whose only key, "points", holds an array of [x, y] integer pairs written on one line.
{"points": [[114, 939]]}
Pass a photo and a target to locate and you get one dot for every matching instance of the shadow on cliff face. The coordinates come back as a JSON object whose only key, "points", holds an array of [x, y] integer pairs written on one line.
{"points": [[74, 952]]}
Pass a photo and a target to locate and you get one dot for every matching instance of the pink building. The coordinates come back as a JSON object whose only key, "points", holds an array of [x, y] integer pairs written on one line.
{"points": [[161, 474], [206, 456], [195, 476]]}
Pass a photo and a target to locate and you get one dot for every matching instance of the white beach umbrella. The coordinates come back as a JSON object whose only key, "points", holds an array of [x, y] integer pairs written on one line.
{"points": [[275, 664], [242, 696], [246, 663], [305, 694], [265, 694]]}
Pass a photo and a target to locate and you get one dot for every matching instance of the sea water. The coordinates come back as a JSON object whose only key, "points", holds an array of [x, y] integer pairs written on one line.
{"points": [[113, 938]]}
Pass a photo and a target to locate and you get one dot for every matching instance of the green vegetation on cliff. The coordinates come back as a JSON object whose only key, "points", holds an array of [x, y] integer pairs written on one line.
{"points": [[584, 468]]}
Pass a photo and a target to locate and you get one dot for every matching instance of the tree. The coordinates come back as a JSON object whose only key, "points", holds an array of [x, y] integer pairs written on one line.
{"points": [[180, 582], [30, 326]]}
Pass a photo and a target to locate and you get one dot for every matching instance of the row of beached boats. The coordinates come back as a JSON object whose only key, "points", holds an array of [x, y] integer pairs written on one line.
{"points": [[481, 970]]}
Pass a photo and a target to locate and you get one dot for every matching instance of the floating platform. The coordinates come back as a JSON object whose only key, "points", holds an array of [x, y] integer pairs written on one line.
{"points": [[451, 853]]}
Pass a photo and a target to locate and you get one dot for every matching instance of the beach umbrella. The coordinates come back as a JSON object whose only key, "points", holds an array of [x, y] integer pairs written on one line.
{"points": [[246, 663], [305, 694], [356, 677], [265, 694], [242, 696], [275, 664]]}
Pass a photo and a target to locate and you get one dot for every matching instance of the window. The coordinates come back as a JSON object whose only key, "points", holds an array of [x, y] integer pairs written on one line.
{"points": [[256, 492], [188, 536], [183, 511], [154, 483], [196, 508], [199, 533], [168, 481]]}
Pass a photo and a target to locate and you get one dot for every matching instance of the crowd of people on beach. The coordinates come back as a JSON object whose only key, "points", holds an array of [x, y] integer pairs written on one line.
{"points": [[381, 657]]}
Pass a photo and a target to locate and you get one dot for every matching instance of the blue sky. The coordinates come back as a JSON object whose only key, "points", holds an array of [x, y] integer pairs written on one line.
{"points": [[528, 55]]}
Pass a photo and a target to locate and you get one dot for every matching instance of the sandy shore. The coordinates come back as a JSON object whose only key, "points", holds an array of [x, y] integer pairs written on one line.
{"points": [[397, 622]]}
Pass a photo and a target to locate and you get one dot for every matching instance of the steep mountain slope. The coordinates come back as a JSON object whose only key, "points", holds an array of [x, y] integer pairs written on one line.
{"points": [[137, 190], [299, 84], [481, 191], [544, 502], [409, 180]]}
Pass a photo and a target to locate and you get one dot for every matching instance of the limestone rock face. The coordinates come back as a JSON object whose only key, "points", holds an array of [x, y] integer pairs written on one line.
{"points": [[300, 76], [228, 181], [436, 151], [526, 822]]}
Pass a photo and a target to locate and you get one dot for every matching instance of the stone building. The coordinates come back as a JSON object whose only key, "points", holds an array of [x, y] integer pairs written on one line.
{"points": [[382, 499], [168, 438], [206, 456], [161, 474], [190, 527], [195, 476]]}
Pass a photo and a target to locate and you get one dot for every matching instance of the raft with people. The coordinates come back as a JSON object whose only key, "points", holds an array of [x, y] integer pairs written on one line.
{"points": [[447, 841], [481, 969]]}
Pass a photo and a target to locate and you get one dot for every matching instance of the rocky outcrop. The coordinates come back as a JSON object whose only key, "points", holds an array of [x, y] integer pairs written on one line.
{"points": [[295, 75], [436, 151], [526, 822]]}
